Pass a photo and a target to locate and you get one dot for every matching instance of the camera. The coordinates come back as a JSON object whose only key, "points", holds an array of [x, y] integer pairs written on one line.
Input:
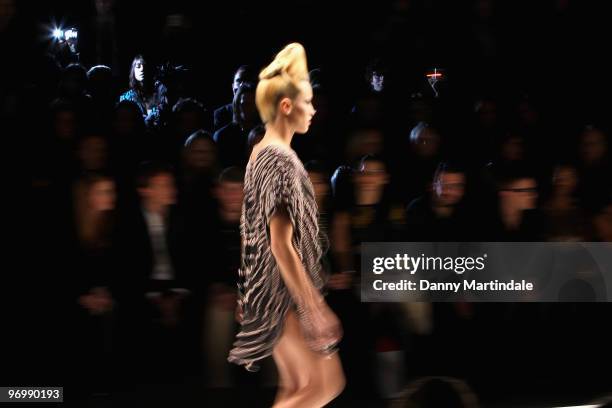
{"points": [[64, 42], [68, 37], [70, 34]]}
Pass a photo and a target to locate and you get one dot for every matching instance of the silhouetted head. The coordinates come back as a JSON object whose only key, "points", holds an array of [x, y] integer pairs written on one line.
{"points": [[448, 185], [244, 75], [518, 190], [200, 152], [156, 184]]}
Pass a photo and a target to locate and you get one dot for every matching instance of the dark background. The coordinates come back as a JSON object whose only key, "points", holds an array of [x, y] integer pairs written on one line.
{"points": [[557, 52]]}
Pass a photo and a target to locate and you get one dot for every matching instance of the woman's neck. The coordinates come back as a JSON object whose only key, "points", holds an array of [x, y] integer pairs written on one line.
{"points": [[278, 132]]}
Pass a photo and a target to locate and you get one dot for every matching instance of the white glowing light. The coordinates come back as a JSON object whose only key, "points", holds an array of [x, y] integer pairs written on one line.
{"points": [[71, 33], [582, 406]]}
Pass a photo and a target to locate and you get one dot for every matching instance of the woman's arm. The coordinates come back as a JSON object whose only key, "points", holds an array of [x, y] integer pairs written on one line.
{"points": [[292, 270], [321, 328]]}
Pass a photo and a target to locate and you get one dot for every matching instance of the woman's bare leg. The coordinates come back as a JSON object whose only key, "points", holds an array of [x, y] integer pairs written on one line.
{"points": [[287, 384], [307, 379], [291, 379]]}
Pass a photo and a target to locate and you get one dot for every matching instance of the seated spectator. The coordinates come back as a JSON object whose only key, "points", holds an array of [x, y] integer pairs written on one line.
{"points": [[65, 121], [594, 168], [321, 187], [225, 114], [376, 73], [320, 181], [157, 277], [419, 164], [510, 155], [232, 139], [369, 108], [566, 221], [94, 207], [222, 275], [159, 260], [485, 131], [343, 195], [370, 187], [48, 73], [58, 152], [199, 156], [188, 116], [128, 142], [198, 172], [101, 88], [358, 339], [516, 218], [440, 215], [603, 223], [362, 142], [364, 215], [73, 87], [149, 95], [92, 154], [94, 263]]}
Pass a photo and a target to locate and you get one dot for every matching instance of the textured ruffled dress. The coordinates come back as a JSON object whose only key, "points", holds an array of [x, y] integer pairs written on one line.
{"points": [[274, 178]]}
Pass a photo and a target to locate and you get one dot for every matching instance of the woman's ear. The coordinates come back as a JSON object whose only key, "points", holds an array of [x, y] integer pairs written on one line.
{"points": [[285, 106]]}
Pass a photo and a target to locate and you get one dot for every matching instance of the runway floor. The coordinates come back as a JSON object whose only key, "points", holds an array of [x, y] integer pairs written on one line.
{"points": [[191, 395]]}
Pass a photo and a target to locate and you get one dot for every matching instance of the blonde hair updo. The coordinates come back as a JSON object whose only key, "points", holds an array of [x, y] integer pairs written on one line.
{"points": [[280, 79]]}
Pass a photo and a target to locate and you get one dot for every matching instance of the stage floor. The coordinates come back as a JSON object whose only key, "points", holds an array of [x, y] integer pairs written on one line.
{"points": [[192, 395]]}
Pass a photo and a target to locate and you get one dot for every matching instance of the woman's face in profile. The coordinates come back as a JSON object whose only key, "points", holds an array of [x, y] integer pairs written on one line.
{"points": [[139, 71], [302, 111]]}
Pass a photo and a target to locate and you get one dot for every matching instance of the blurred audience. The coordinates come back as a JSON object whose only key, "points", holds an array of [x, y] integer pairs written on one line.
{"points": [[151, 250]]}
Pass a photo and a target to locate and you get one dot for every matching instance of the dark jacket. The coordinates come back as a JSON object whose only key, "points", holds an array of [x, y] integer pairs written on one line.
{"points": [[423, 225], [156, 116], [223, 116], [232, 143], [137, 256]]}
